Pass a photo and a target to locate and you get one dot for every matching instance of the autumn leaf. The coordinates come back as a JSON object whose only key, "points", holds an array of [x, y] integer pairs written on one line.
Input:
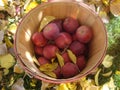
{"points": [[48, 67], [72, 56], [50, 73], [45, 21], [60, 59], [7, 61]]}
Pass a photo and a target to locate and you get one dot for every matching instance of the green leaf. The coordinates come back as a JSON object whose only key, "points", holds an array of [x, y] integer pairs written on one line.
{"points": [[117, 80]]}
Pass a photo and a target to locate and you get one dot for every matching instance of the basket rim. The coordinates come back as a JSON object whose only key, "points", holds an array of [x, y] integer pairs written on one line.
{"points": [[59, 80]]}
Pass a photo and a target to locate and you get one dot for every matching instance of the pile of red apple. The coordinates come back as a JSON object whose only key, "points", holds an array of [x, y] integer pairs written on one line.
{"points": [[57, 37]]}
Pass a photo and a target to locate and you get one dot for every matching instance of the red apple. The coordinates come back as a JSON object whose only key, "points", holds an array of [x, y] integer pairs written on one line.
{"points": [[38, 39], [51, 31], [74, 38], [57, 71], [66, 57], [86, 53], [69, 70], [49, 51], [81, 62], [70, 24], [77, 48], [63, 40], [38, 50], [84, 34], [42, 60], [59, 23]]}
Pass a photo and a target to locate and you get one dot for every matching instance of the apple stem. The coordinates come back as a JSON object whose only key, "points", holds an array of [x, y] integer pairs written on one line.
{"points": [[65, 49]]}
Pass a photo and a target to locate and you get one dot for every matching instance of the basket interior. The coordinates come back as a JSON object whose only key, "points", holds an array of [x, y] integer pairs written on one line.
{"points": [[31, 22]]}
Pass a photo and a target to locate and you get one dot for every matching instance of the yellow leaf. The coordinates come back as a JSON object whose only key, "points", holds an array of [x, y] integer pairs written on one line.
{"points": [[13, 28], [117, 72], [104, 16], [60, 59], [12, 80], [72, 86], [45, 21], [6, 71], [18, 69], [107, 74], [62, 86], [5, 2], [36, 61], [48, 67], [108, 61], [8, 42], [106, 2], [72, 56], [32, 84], [103, 13], [7, 61], [97, 76], [31, 6], [44, 0], [50, 73]]}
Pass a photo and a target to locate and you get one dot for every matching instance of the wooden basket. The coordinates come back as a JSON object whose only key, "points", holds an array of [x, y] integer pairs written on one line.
{"points": [[30, 23]]}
